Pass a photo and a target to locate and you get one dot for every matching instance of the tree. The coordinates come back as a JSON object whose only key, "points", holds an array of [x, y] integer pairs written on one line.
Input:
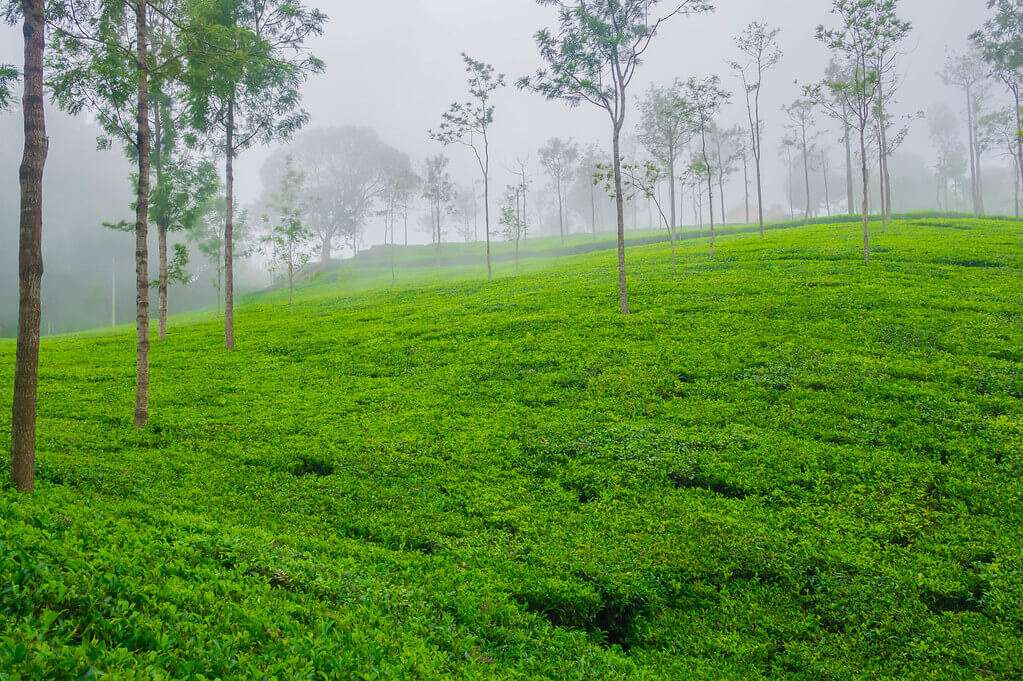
{"points": [[559, 158], [997, 130], [726, 151], [664, 132], [801, 126], [593, 57], [468, 123], [824, 165], [837, 105], [247, 90], [889, 31], [513, 216], [968, 73], [30, 244], [347, 170], [287, 237], [705, 99], [208, 236], [1000, 42], [759, 45], [590, 160], [855, 39], [950, 166], [102, 61], [438, 191], [183, 186]]}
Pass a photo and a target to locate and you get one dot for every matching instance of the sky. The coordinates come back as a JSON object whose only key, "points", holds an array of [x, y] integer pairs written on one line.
{"points": [[395, 65]]}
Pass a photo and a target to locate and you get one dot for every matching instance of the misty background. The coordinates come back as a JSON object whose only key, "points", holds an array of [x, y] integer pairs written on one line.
{"points": [[396, 65]]}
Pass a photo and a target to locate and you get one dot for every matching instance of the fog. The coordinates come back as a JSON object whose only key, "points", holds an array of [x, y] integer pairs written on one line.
{"points": [[395, 66]]}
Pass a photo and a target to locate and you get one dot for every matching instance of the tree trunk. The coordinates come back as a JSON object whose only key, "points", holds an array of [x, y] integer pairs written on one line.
{"points": [[671, 187], [866, 195], [561, 210], [30, 252], [163, 284], [291, 281], [886, 185], [229, 230], [980, 184], [760, 189], [142, 223], [1019, 138], [806, 175], [623, 292], [486, 205], [326, 248], [161, 227], [710, 189], [745, 183], [827, 189], [851, 201], [972, 135], [593, 210]]}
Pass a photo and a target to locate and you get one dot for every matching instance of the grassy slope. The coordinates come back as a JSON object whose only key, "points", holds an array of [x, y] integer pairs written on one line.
{"points": [[783, 464]]}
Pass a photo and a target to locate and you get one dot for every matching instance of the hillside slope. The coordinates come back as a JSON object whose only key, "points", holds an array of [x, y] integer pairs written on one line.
{"points": [[784, 464]]}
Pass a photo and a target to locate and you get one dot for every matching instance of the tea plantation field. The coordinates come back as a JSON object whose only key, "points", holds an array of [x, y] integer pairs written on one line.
{"points": [[784, 464]]}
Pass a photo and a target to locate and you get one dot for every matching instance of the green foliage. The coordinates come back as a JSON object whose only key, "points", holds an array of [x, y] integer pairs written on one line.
{"points": [[783, 465], [8, 76], [248, 61]]}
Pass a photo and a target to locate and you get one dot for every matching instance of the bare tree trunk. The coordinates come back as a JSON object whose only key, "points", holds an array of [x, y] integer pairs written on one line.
{"points": [[710, 189], [30, 252], [980, 184], [593, 210], [671, 187], [851, 201], [745, 183], [326, 248], [1019, 138], [561, 210], [161, 228], [229, 231], [972, 135], [142, 222], [882, 124], [623, 292], [827, 190], [806, 175], [163, 284], [866, 196], [486, 206], [291, 281]]}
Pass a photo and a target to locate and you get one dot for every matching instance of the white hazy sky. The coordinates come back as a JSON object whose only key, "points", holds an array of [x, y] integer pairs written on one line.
{"points": [[395, 65]]}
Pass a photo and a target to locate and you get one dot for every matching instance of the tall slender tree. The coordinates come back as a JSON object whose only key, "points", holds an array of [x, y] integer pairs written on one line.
{"points": [[801, 126], [1000, 42], [102, 61], [889, 32], [438, 191], [968, 73], [664, 131], [246, 91], [705, 99], [559, 158], [468, 123], [30, 243], [758, 44], [593, 57], [854, 38]]}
